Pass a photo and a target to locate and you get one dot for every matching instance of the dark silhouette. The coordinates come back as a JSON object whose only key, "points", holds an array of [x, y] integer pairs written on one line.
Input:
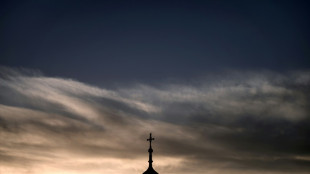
{"points": [[150, 170]]}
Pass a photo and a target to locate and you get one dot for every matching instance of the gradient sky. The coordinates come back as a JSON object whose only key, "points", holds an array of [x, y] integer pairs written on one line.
{"points": [[222, 85]]}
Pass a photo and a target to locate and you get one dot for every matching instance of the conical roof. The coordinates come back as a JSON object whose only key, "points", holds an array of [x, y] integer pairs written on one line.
{"points": [[150, 170]]}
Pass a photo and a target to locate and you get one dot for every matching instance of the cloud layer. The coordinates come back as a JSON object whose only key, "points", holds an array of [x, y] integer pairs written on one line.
{"points": [[233, 122]]}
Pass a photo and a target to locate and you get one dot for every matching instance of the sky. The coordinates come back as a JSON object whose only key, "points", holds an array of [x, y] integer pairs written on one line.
{"points": [[224, 86]]}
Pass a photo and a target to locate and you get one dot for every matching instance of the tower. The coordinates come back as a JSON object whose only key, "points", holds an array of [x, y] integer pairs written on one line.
{"points": [[150, 170]]}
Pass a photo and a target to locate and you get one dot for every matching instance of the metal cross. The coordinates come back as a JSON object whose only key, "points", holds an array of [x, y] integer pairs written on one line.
{"points": [[150, 139]]}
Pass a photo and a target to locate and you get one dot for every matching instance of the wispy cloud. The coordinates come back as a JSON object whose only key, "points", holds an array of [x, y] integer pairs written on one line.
{"points": [[236, 122]]}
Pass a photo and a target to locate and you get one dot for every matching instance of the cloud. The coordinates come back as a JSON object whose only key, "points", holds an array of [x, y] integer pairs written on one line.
{"points": [[234, 122]]}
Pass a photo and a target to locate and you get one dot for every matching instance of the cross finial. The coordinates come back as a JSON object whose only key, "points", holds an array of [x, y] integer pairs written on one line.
{"points": [[150, 139]]}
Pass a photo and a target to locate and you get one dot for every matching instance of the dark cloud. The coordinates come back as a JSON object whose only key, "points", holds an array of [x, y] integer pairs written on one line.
{"points": [[242, 122]]}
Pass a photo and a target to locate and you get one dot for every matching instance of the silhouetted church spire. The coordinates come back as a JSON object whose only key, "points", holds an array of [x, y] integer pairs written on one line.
{"points": [[150, 170]]}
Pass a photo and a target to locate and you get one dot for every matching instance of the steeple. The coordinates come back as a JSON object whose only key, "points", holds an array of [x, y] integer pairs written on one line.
{"points": [[150, 170]]}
